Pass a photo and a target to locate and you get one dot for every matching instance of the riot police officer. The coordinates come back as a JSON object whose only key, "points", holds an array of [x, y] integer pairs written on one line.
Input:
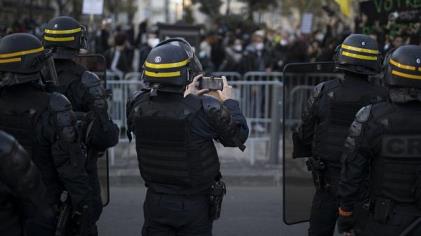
{"points": [[65, 36], [174, 142], [328, 115], [22, 193], [384, 146], [42, 122]]}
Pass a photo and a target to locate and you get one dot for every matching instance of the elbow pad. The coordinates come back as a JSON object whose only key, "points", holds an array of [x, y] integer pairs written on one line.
{"points": [[95, 93], [64, 118], [217, 114], [17, 170]]}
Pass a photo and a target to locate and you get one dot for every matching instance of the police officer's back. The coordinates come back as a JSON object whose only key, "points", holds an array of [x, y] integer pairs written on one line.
{"points": [[42, 122], [65, 36], [22, 193], [384, 146], [174, 141], [328, 115]]}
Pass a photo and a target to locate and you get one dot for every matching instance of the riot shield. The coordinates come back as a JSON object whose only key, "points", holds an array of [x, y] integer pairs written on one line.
{"points": [[97, 64], [299, 80]]}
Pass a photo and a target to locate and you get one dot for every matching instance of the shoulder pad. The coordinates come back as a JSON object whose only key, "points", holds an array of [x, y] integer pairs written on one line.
{"points": [[136, 95], [134, 98], [317, 91], [210, 103], [90, 79], [58, 103], [363, 114], [6, 143]]}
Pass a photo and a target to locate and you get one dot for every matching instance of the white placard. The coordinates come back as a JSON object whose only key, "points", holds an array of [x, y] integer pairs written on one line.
{"points": [[93, 7], [307, 23]]}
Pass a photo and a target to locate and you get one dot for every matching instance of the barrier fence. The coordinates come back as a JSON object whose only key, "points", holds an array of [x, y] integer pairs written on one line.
{"points": [[260, 95]]}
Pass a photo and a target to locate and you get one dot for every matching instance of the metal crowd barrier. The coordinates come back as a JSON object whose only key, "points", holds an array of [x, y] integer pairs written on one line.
{"points": [[261, 99], [258, 98]]}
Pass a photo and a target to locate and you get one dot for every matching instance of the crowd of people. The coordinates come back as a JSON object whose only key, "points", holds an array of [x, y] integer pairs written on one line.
{"points": [[240, 49]]}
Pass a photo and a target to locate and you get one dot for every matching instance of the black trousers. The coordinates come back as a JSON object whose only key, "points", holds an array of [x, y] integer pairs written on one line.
{"points": [[324, 213], [175, 215], [92, 170]]}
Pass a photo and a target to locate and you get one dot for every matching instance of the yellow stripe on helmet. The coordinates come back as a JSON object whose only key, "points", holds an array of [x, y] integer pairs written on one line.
{"points": [[70, 31], [405, 75], [61, 39], [11, 60], [358, 56], [357, 49], [162, 74], [21, 53], [167, 65], [402, 66]]}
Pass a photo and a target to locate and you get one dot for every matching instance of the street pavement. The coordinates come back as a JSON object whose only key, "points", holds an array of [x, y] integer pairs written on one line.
{"points": [[247, 211], [253, 205]]}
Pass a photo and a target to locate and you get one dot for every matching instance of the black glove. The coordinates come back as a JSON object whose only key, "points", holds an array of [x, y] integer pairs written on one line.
{"points": [[345, 224]]}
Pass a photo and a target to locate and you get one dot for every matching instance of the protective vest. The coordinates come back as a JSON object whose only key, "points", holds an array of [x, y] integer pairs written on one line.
{"points": [[341, 100], [396, 171], [166, 152], [20, 118]]}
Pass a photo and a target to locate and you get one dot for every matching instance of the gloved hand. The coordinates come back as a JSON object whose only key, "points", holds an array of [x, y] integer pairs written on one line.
{"points": [[223, 95], [345, 222], [193, 87]]}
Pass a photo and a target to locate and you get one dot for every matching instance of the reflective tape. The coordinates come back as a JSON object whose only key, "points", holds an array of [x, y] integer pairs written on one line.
{"points": [[357, 49], [402, 66], [358, 56], [162, 74], [405, 75], [167, 65], [21, 53], [11, 60], [70, 31], [61, 39]]}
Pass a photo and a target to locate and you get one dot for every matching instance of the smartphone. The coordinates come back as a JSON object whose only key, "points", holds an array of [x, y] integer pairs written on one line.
{"points": [[211, 83]]}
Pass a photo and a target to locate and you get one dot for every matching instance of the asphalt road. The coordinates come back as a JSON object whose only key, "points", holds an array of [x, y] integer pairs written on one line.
{"points": [[248, 211]]}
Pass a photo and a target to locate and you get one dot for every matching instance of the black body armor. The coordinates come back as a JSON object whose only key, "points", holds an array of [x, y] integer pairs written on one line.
{"points": [[166, 152], [19, 118], [397, 169], [339, 103], [23, 120], [22, 193]]}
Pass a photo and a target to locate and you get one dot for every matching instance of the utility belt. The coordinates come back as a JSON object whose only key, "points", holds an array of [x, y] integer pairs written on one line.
{"points": [[215, 195], [318, 168], [383, 208]]}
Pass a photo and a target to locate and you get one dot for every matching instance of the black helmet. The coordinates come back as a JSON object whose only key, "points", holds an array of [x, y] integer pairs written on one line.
{"points": [[21, 56], [172, 62], [404, 67], [65, 32], [359, 54]]}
